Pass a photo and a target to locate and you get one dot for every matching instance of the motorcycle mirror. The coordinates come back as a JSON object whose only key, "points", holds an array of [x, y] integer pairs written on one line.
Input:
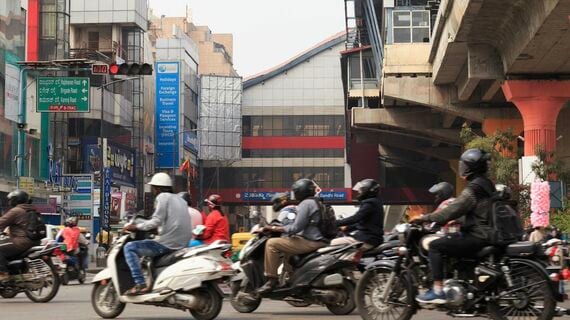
{"points": [[88, 236]]}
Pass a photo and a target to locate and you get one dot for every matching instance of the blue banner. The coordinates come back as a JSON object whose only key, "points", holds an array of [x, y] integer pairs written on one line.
{"points": [[266, 196], [167, 114], [121, 161], [191, 141], [107, 198]]}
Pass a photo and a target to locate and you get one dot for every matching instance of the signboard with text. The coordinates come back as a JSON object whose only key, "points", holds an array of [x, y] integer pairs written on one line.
{"points": [[167, 114], [120, 159], [266, 196], [107, 198], [77, 197], [62, 94]]}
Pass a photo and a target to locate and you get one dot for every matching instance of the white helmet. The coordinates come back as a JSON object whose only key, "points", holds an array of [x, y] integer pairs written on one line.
{"points": [[161, 179]]}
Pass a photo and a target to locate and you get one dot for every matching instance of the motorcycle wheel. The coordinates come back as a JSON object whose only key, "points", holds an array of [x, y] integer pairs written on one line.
{"points": [[105, 300], [65, 278], [368, 296], [212, 305], [347, 306], [530, 298], [49, 288], [8, 293], [298, 304], [241, 306]]}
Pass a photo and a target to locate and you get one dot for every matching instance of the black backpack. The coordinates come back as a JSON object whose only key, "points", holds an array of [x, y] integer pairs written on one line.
{"points": [[327, 224], [505, 223], [36, 226]]}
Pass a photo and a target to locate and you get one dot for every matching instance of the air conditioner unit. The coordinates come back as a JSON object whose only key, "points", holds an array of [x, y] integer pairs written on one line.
{"points": [[526, 175]]}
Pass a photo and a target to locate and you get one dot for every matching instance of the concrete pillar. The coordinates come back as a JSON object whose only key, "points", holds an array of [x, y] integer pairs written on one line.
{"points": [[539, 102], [491, 126]]}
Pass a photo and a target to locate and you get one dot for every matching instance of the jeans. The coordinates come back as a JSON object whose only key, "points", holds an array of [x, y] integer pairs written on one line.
{"points": [[459, 245], [144, 248]]}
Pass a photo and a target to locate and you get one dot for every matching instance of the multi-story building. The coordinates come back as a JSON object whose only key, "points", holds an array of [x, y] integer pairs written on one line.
{"points": [[293, 127]]}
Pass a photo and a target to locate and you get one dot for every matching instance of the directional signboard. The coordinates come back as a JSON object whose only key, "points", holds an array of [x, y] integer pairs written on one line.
{"points": [[62, 94]]}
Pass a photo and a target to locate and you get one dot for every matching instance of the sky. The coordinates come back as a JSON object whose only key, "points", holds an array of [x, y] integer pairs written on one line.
{"points": [[266, 32]]}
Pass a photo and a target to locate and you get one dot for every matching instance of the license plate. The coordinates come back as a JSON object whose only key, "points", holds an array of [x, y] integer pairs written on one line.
{"points": [[225, 288]]}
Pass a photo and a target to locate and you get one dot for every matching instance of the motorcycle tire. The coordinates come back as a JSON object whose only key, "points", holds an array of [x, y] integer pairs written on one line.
{"points": [[525, 300], [65, 279], [111, 309], [298, 304], [348, 305], [213, 306], [81, 276], [240, 306], [8, 294], [368, 296], [34, 296]]}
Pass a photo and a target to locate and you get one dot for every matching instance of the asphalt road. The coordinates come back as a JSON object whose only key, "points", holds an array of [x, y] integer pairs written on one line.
{"points": [[73, 302]]}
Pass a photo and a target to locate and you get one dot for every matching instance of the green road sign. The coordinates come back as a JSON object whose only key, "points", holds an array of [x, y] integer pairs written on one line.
{"points": [[63, 94]]}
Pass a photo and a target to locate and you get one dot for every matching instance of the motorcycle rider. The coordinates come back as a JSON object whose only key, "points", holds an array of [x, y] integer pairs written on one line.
{"points": [[217, 226], [472, 204], [72, 237], [443, 194], [368, 221], [171, 214], [16, 219], [287, 211], [198, 218], [304, 235]]}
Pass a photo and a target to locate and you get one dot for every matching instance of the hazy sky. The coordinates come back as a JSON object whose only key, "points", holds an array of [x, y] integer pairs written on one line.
{"points": [[266, 32]]}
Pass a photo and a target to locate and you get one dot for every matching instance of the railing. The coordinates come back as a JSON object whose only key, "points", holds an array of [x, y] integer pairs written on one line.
{"points": [[103, 55]]}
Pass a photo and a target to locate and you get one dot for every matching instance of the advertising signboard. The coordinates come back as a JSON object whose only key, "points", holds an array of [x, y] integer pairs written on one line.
{"points": [[167, 114]]}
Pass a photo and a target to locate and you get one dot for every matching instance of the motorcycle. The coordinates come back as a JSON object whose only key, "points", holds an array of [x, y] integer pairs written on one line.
{"points": [[32, 273], [323, 277], [73, 266], [500, 283], [186, 279]]}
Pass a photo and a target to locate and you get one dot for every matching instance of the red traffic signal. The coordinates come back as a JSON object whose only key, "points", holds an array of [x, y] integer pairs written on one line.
{"points": [[131, 69]]}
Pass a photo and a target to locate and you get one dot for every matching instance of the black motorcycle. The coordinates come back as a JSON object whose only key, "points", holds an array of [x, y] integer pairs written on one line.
{"points": [[500, 283], [323, 277], [33, 274], [74, 269]]}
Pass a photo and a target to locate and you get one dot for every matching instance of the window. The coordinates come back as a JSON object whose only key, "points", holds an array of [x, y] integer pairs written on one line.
{"points": [[312, 126], [93, 40], [411, 26]]}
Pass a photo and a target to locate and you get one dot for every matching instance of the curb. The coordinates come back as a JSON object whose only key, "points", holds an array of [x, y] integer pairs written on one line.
{"points": [[94, 270]]}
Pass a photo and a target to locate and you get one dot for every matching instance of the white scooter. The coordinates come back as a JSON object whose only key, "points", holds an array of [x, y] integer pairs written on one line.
{"points": [[186, 279]]}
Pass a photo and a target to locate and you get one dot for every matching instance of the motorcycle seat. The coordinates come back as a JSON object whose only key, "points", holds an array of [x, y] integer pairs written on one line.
{"points": [[27, 252], [487, 251], [299, 260], [169, 258], [381, 248], [521, 248]]}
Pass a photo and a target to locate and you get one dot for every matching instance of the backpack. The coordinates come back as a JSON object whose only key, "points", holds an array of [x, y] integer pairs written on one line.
{"points": [[504, 222], [327, 224], [36, 227]]}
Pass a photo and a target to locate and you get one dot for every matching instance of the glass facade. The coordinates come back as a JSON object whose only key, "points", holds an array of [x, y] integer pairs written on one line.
{"points": [[54, 29], [275, 177], [411, 26], [307, 125]]}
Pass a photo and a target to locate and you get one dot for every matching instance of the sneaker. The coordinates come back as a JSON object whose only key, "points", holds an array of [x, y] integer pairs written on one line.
{"points": [[431, 297]]}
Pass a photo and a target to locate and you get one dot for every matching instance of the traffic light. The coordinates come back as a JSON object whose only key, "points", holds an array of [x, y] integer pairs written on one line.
{"points": [[130, 69]]}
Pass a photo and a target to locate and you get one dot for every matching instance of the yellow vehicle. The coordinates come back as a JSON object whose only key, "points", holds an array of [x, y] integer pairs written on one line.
{"points": [[239, 240]]}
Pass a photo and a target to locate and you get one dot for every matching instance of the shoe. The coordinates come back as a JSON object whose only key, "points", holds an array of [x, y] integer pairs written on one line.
{"points": [[138, 290], [4, 276], [268, 286], [431, 297]]}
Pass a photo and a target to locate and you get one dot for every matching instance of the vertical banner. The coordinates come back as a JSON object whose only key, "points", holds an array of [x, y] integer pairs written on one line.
{"points": [[167, 114], [12, 87], [107, 199]]}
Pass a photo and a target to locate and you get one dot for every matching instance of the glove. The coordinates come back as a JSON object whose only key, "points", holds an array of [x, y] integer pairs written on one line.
{"points": [[421, 220]]}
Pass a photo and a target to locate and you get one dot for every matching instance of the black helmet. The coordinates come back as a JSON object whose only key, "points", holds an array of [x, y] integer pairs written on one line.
{"points": [[186, 196], [17, 197], [442, 191], [367, 188], [303, 188], [473, 161], [279, 200]]}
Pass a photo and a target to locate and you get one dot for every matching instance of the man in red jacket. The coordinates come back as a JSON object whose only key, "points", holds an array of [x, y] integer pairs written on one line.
{"points": [[217, 225]]}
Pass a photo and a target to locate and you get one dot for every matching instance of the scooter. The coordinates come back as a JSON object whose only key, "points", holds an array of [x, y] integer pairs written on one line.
{"points": [[323, 277], [32, 273], [186, 279]]}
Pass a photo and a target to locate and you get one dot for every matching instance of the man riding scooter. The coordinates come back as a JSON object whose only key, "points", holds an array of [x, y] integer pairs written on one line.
{"points": [[281, 203], [304, 236], [171, 214]]}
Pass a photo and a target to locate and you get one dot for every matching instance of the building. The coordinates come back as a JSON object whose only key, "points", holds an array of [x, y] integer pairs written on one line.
{"points": [[293, 127]]}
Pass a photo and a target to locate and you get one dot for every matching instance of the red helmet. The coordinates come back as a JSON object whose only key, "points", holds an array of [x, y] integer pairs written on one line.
{"points": [[214, 200]]}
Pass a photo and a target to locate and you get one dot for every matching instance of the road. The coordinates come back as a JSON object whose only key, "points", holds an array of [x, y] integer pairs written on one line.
{"points": [[73, 302]]}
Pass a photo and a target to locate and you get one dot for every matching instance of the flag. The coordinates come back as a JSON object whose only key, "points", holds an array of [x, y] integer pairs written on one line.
{"points": [[185, 166]]}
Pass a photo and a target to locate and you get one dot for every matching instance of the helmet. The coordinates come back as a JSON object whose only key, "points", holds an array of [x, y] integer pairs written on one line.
{"points": [[17, 197], [303, 188], [187, 197], [473, 161], [71, 221], [442, 191], [279, 200], [161, 179], [367, 188], [214, 200]]}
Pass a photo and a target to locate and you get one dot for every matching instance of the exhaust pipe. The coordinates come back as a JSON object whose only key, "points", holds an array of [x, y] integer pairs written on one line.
{"points": [[186, 300], [329, 296]]}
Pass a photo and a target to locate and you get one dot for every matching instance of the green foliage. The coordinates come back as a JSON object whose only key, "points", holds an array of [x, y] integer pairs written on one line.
{"points": [[548, 165], [561, 219]]}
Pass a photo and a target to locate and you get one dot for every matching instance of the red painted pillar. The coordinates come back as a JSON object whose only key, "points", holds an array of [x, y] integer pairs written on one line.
{"points": [[539, 102], [33, 30]]}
